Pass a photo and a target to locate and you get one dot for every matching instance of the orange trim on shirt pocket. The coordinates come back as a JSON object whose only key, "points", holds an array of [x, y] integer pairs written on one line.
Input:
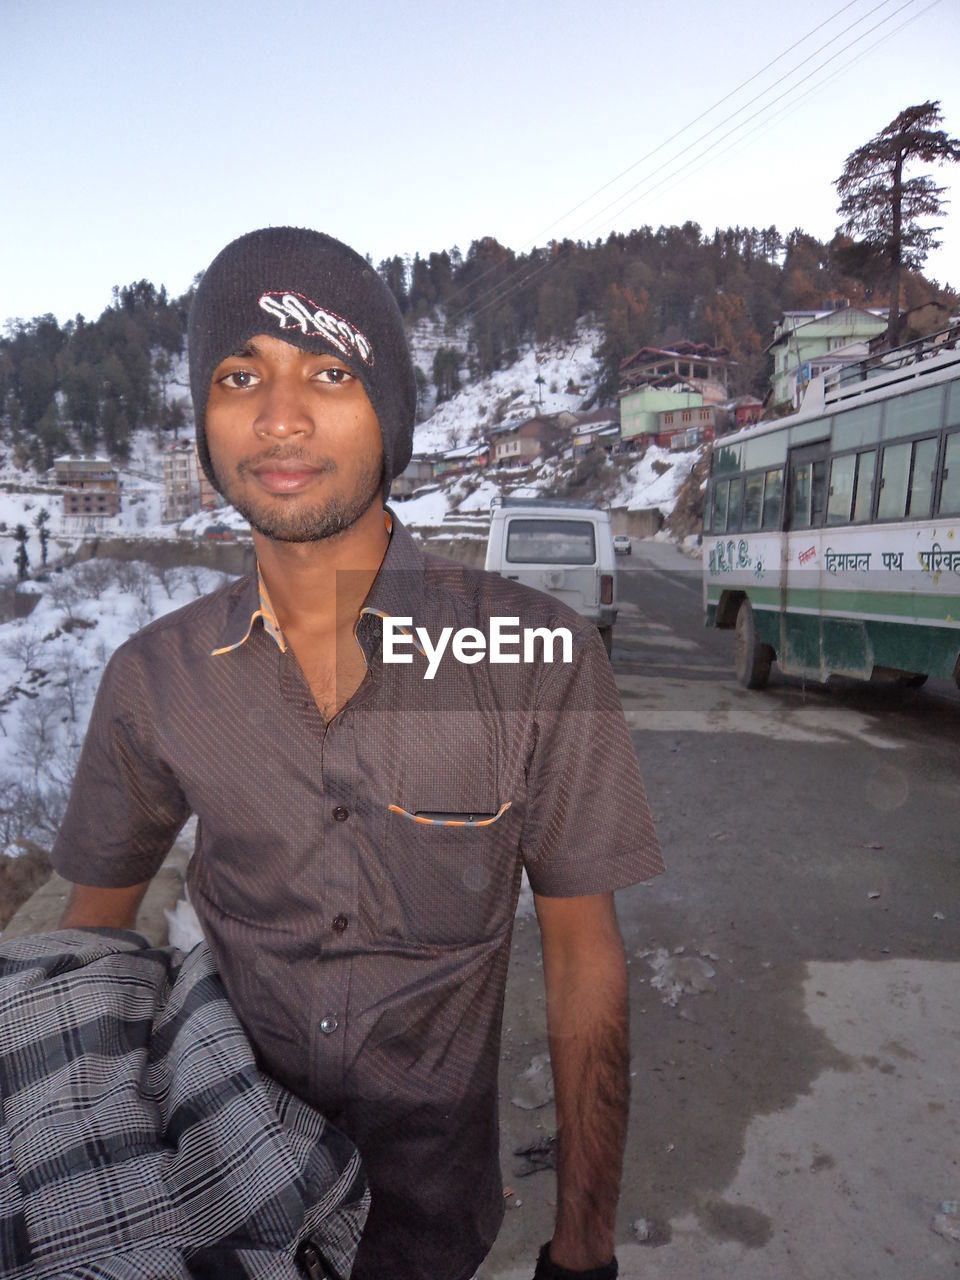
{"points": [[466, 821]]}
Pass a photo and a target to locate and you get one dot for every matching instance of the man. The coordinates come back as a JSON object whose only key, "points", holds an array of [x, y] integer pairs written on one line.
{"points": [[362, 829]]}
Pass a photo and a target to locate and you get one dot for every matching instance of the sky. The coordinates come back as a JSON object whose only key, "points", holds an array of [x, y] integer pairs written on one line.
{"points": [[138, 140]]}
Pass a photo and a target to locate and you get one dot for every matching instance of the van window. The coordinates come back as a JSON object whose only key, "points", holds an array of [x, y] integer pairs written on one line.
{"points": [[551, 542]]}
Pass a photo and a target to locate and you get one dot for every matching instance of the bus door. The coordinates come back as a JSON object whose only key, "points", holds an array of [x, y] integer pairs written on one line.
{"points": [[802, 561]]}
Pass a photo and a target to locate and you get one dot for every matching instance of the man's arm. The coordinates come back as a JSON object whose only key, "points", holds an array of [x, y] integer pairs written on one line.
{"points": [[586, 987], [90, 907]]}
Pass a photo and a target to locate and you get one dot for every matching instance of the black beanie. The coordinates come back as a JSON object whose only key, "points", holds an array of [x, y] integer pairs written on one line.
{"points": [[316, 293]]}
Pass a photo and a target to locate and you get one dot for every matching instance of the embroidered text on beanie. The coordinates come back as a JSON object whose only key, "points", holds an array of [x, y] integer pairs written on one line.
{"points": [[316, 293]]}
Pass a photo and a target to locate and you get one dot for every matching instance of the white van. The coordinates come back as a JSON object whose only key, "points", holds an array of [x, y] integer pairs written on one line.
{"points": [[562, 548]]}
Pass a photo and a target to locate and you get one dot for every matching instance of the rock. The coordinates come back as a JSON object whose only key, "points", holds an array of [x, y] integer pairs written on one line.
{"points": [[678, 975], [946, 1223], [534, 1086]]}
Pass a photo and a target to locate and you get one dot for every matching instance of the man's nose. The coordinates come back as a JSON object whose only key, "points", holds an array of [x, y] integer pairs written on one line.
{"points": [[284, 410]]}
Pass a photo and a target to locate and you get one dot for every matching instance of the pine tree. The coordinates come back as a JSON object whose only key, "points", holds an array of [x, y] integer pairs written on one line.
{"points": [[885, 208], [40, 524], [21, 559], [446, 373]]}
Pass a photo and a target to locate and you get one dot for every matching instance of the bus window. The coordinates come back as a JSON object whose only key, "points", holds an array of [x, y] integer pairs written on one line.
{"points": [[866, 466], [818, 492], [894, 481], [807, 493], [800, 496], [909, 415], [720, 507], [922, 475], [772, 493], [752, 502], [733, 510], [727, 459], [950, 491], [856, 426], [764, 451], [840, 499]]}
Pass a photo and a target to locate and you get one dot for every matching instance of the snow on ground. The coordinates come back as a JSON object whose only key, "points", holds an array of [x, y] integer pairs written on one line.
{"points": [[480, 498], [427, 508], [569, 373], [656, 479], [50, 666]]}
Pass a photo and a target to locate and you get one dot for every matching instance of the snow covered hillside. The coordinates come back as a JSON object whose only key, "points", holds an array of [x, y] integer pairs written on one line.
{"points": [[50, 666], [569, 372]]}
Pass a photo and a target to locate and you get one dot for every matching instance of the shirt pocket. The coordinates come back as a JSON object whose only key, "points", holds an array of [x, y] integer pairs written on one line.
{"points": [[453, 873]]}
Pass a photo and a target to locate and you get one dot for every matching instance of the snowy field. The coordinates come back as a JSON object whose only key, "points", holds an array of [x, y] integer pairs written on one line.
{"points": [[50, 666]]}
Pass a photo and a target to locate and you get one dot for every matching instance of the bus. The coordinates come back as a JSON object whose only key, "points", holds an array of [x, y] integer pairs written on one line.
{"points": [[831, 538]]}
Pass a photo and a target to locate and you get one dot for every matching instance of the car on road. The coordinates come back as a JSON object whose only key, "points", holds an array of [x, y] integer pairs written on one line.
{"points": [[562, 548], [220, 533], [622, 545]]}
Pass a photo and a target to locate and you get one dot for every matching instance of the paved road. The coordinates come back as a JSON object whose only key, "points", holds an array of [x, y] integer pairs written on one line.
{"points": [[796, 1099]]}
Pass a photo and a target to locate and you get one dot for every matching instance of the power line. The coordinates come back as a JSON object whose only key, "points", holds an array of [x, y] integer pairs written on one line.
{"points": [[703, 114], [766, 125], [541, 268], [726, 97], [760, 111]]}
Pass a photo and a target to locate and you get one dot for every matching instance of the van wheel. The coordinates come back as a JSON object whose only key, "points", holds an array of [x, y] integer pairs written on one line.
{"points": [[752, 657], [606, 635], [914, 681]]}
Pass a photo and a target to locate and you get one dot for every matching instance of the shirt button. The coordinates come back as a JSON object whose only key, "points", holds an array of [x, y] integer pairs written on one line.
{"points": [[341, 814], [339, 923], [328, 1024]]}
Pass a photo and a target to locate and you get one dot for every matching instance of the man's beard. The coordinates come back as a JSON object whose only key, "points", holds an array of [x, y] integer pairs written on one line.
{"points": [[285, 519]]}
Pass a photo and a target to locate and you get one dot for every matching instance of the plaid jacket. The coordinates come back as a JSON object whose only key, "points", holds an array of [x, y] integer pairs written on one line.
{"points": [[138, 1140]]}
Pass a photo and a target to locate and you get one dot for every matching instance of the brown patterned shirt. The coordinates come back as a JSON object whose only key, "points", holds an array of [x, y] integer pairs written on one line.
{"points": [[357, 879]]}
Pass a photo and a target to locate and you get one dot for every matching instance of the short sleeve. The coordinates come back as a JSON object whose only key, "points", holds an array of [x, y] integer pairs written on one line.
{"points": [[588, 827], [125, 807]]}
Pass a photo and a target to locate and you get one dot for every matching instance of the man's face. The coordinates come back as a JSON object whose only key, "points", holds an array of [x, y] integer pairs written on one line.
{"points": [[294, 441]]}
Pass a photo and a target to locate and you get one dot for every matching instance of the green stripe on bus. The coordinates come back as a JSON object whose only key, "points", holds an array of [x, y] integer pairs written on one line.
{"points": [[890, 604]]}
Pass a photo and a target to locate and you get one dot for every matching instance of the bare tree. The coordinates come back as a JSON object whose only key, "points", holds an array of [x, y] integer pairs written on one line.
{"points": [[136, 578], [887, 209], [24, 646], [69, 676], [95, 576]]}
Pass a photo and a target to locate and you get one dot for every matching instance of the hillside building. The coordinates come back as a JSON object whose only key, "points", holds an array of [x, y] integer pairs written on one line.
{"points": [[808, 343], [596, 429], [468, 457], [91, 487], [678, 380], [186, 490], [686, 428], [417, 472], [694, 365], [519, 443]]}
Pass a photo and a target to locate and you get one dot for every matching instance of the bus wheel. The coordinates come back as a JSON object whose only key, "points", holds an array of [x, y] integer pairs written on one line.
{"points": [[753, 658], [916, 681], [606, 635]]}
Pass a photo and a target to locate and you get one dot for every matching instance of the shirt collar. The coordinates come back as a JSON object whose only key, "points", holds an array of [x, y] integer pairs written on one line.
{"points": [[397, 591]]}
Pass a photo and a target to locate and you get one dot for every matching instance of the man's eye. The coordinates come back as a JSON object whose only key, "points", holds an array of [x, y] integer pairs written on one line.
{"points": [[334, 375], [239, 378]]}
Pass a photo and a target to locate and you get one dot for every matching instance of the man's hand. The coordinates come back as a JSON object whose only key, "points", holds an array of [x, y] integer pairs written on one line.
{"points": [[90, 907], [586, 986]]}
